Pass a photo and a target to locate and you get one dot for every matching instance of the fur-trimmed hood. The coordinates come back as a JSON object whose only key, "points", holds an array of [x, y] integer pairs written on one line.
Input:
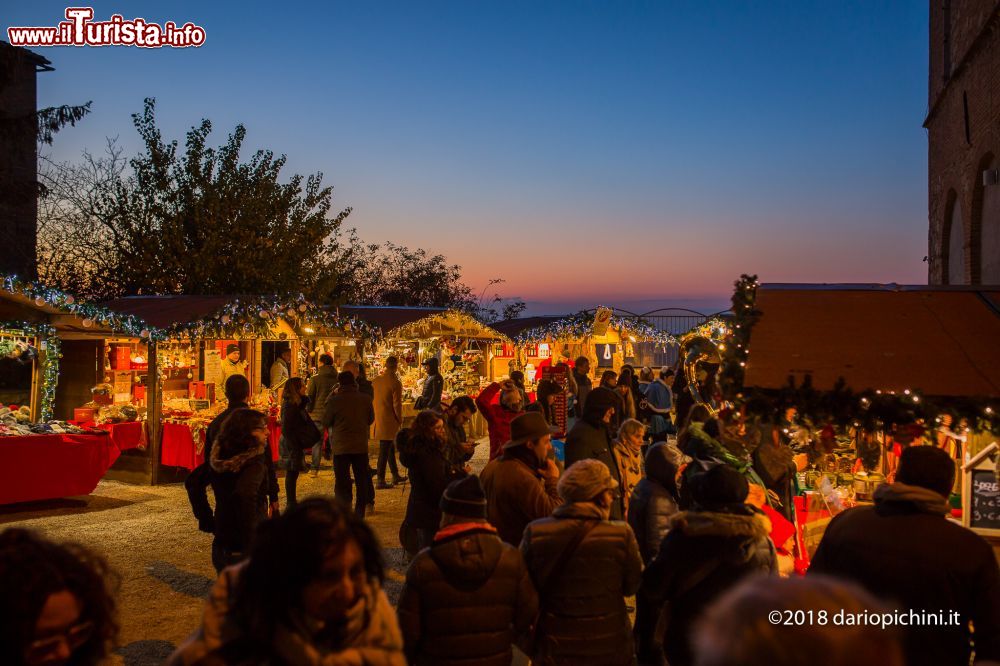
{"points": [[237, 462], [710, 524]]}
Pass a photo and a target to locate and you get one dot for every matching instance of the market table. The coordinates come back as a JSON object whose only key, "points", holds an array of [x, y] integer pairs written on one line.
{"points": [[40, 467], [179, 450], [128, 435], [178, 446]]}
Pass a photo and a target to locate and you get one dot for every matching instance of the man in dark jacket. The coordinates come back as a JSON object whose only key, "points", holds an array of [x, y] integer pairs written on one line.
{"points": [[318, 389], [592, 437], [347, 416], [430, 396], [583, 566], [521, 484], [237, 392], [707, 551], [467, 579], [906, 551], [654, 500]]}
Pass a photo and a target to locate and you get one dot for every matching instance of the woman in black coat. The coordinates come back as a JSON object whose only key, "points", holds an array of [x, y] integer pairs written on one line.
{"points": [[239, 481], [299, 431], [422, 451]]}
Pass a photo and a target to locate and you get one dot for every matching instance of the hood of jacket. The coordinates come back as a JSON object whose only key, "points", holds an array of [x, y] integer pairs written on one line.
{"points": [[660, 466], [470, 556], [327, 370], [751, 525], [237, 462], [890, 496]]}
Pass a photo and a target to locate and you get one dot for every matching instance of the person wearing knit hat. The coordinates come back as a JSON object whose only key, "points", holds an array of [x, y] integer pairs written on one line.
{"points": [[584, 566], [467, 578], [586, 481], [592, 437], [232, 365]]}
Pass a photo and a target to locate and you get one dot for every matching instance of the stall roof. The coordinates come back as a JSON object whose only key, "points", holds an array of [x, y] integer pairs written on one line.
{"points": [[165, 311], [387, 317], [941, 341], [514, 327]]}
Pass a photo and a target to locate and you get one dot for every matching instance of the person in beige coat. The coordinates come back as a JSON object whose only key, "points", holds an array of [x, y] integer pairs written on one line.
{"points": [[388, 421]]}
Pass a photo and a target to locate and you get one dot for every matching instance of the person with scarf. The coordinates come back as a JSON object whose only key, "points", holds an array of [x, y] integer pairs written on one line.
{"points": [[468, 578], [592, 437], [310, 594], [628, 454], [905, 548], [520, 485]]}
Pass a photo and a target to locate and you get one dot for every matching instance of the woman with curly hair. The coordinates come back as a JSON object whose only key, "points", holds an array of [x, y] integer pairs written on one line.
{"points": [[310, 594], [422, 448], [56, 603]]}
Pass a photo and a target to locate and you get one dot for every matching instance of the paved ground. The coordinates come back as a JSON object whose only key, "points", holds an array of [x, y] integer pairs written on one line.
{"points": [[151, 539]]}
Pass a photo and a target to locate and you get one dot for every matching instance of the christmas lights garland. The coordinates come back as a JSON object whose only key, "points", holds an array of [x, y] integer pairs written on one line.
{"points": [[89, 313], [581, 325], [256, 316], [871, 409]]}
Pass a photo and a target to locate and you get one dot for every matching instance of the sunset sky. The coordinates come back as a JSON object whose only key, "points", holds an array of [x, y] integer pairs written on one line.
{"points": [[621, 153]]}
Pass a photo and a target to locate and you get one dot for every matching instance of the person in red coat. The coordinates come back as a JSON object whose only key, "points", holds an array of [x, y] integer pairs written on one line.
{"points": [[499, 414]]}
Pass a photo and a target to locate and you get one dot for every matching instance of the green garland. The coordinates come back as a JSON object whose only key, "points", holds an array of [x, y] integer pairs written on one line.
{"points": [[869, 409], [50, 352], [89, 313], [581, 325], [257, 316]]}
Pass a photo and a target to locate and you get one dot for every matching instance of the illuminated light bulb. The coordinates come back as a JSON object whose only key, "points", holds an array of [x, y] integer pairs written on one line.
{"points": [[916, 398], [878, 392], [989, 410], [906, 391]]}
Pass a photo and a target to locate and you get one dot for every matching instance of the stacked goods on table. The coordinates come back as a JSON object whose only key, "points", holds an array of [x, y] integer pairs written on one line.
{"points": [[16, 422]]}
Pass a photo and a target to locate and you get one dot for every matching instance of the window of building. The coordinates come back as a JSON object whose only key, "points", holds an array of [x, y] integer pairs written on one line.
{"points": [[956, 245]]}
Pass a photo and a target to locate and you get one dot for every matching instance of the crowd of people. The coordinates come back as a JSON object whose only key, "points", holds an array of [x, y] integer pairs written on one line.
{"points": [[638, 547]]}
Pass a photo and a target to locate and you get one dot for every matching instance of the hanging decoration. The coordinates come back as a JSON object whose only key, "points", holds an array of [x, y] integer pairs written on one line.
{"points": [[51, 348]]}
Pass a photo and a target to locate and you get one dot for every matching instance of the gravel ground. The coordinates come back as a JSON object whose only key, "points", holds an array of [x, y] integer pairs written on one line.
{"points": [[150, 538]]}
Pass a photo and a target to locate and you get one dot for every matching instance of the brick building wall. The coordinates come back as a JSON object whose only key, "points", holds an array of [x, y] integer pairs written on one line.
{"points": [[18, 160], [963, 125]]}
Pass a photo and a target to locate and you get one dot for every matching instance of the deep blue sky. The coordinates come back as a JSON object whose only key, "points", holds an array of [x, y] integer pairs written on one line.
{"points": [[587, 152]]}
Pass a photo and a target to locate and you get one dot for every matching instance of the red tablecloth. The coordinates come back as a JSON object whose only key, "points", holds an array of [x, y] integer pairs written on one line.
{"points": [[39, 467], [178, 446], [126, 435], [274, 435]]}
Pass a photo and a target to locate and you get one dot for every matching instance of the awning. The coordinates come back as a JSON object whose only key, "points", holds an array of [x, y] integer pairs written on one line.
{"points": [[941, 341]]}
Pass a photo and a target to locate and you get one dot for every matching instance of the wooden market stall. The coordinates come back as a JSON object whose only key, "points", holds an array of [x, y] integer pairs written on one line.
{"points": [[462, 344], [605, 337], [201, 340], [862, 372], [60, 427]]}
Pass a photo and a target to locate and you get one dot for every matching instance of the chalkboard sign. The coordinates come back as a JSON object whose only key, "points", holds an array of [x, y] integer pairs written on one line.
{"points": [[985, 500]]}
